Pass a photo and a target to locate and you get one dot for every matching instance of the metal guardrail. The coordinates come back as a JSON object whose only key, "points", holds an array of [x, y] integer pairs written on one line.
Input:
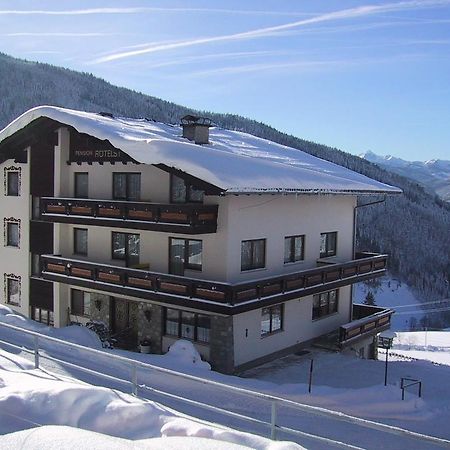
{"points": [[408, 382], [274, 401]]}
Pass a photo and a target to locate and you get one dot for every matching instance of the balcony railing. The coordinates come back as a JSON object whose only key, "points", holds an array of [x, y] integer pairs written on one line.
{"points": [[177, 218], [211, 295], [367, 321]]}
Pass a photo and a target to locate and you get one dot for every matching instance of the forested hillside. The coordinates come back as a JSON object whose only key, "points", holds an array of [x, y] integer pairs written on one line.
{"points": [[413, 228]]}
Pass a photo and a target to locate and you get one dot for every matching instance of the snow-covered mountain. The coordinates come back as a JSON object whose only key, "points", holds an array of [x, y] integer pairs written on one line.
{"points": [[433, 174]]}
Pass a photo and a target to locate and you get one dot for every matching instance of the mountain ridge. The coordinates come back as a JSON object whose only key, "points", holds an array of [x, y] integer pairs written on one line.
{"points": [[412, 228], [434, 174]]}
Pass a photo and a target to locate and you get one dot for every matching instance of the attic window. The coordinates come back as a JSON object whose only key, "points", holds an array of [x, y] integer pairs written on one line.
{"points": [[183, 192]]}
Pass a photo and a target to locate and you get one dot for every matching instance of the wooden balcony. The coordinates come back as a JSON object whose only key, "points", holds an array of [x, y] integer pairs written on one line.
{"points": [[172, 218], [367, 321], [224, 298]]}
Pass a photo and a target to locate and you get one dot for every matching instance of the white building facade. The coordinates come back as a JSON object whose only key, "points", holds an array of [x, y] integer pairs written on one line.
{"points": [[128, 223]]}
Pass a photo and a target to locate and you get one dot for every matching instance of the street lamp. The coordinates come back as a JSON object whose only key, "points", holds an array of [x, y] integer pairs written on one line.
{"points": [[385, 340]]}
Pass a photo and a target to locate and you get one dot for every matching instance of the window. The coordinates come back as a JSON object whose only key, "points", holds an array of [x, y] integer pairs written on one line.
{"points": [[294, 248], [12, 181], [187, 325], [80, 241], [42, 315], [81, 189], [12, 289], [80, 302], [328, 244], [12, 232], [271, 319], [183, 192], [253, 254], [325, 304], [127, 186], [185, 254], [126, 247]]}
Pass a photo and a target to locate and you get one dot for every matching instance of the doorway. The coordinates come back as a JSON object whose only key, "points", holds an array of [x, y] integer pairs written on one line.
{"points": [[124, 322], [126, 246]]}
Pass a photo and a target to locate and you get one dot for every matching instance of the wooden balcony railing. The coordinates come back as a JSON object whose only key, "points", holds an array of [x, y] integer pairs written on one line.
{"points": [[176, 218], [367, 321], [210, 295]]}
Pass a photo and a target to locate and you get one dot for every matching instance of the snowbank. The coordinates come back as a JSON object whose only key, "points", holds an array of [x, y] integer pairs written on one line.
{"points": [[68, 438], [76, 334], [33, 398], [183, 353]]}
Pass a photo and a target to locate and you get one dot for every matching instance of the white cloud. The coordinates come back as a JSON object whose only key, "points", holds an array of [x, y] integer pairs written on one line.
{"points": [[140, 10], [360, 11], [301, 66], [55, 34]]}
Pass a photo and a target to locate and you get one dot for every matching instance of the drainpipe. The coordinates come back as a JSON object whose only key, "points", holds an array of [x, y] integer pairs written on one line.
{"points": [[354, 243]]}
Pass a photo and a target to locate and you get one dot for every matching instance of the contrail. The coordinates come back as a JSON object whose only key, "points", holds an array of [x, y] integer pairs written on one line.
{"points": [[360, 11]]}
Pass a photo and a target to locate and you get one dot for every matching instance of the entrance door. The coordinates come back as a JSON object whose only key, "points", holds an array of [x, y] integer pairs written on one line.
{"points": [[177, 252], [124, 316]]}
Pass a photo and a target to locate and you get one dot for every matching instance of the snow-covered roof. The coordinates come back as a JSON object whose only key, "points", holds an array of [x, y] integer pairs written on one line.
{"points": [[235, 162]]}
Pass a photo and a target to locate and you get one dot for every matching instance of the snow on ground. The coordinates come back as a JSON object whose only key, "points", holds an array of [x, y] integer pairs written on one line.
{"points": [[56, 437], [341, 383], [431, 346], [394, 294], [30, 397]]}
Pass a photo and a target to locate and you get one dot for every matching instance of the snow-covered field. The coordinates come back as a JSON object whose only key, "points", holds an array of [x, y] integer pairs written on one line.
{"points": [[340, 383], [431, 346], [394, 294]]}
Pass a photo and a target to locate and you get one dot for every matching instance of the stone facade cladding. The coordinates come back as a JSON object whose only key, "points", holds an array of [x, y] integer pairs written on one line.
{"points": [[101, 314], [221, 344], [150, 325]]}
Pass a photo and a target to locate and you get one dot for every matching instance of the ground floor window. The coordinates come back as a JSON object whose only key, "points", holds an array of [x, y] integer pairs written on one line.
{"points": [[12, 289], [325, 304], [271, 319], [42, 315], [187, 325], [80, 302]]}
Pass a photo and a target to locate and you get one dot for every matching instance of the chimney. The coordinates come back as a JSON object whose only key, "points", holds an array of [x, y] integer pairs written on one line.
{"points": [[196, 128]]}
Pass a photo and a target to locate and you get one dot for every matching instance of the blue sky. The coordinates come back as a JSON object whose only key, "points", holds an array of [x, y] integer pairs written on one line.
{"points": [[358, 75]]}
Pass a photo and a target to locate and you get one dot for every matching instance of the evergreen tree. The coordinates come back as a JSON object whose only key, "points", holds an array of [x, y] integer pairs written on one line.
{"points": [[370, 299]]}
